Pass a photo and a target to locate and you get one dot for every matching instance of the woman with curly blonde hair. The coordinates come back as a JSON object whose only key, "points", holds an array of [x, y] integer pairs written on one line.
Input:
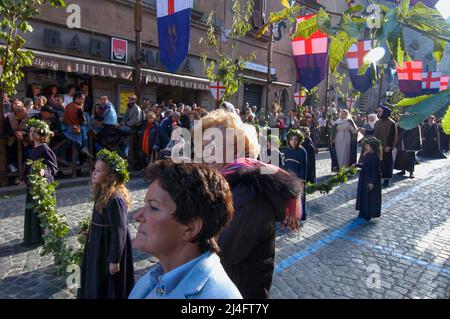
{"points": [[107, 266], [262, 196]]}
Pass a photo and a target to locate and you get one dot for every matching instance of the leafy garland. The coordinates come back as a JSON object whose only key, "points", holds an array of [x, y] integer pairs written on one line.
{"points": [[325, 188], [56, 229]]}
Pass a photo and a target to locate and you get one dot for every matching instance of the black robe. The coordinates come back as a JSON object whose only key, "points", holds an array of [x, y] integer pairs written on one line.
{"points": [[308, 145], [386, 131], [247, 245], [431, 142], [408, 143], [369, 202], [296, 161], [32, 224], [108, 242]]}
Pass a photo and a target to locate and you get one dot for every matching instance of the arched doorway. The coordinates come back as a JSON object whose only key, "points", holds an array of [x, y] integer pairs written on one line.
{"points": [[284, 100]]}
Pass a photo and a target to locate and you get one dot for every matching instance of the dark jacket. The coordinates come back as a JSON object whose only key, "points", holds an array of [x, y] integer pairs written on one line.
{"points": [[165, 131], [248, 244]]}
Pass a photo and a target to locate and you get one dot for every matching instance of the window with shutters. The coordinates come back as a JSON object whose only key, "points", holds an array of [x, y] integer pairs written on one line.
{"points": [[259, 14]]}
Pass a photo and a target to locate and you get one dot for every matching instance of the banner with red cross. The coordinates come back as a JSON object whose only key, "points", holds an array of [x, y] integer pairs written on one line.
{"points": [[431, 82], [310, 56], [217, 90], [355, 59], [300, 98], [410, 78]]}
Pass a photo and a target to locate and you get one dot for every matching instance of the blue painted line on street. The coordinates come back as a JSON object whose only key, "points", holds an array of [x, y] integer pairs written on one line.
{"points": [[392, 252], [339, 233], [317, 245]]}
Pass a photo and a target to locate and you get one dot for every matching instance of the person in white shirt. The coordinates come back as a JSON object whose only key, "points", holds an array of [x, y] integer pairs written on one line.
{"points": [[68, 98]]}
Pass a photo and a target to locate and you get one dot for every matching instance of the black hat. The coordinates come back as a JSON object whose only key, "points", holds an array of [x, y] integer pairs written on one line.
{"points": [[47, 108]]}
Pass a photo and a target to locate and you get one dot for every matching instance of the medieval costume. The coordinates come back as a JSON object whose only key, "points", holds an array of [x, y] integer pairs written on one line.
{"points": [[32, 225], [386, 131], [445, 139], [343, 149], [311, 151], [368, 201], [247, 245], [409, 142], [108, 242], [431, 142]]}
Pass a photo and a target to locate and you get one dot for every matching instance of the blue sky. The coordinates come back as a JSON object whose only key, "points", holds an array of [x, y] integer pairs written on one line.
{"points": [[444, 8]]}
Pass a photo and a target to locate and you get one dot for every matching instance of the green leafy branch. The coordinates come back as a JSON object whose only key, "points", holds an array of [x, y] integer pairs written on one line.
{"points": [[326, 187], [228, 69], [15, 15], [56, 229]]}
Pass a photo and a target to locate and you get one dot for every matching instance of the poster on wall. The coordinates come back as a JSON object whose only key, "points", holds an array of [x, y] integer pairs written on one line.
{"points": [[119, 50], [124, 93]]}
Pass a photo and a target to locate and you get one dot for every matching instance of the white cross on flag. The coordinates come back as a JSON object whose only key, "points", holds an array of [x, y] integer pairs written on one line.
{"points": [[357, 52], [299, 98], [217, 90], [351, 101]]}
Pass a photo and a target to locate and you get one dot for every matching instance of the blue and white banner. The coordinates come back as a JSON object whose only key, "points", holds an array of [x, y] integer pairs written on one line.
{"points": [[174, 24]]}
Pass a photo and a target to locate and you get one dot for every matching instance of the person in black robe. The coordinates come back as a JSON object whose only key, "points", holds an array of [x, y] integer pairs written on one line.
{"points": [[310, 149], [32, 224], [296, 161], [386, 131], [409, 142], [107, 270], [368, 198], [431, 140]]}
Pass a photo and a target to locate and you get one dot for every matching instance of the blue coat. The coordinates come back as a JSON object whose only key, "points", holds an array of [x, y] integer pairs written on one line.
{"points": [[165, 131], [206, 280]]}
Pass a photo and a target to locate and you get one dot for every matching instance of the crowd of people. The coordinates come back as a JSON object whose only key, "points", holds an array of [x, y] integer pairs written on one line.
{"points": [[212, 226]]}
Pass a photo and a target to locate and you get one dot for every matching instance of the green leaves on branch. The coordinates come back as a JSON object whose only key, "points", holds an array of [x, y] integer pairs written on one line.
{"points": [[423, 109], [326, 187], [56, 229], [227, 68], [413, 101], [287, 13], [15, 15], [339, 46], [446, 122]]}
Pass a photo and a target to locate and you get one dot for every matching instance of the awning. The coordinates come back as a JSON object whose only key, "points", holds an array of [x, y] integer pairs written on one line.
{"points": [[58, 62]]}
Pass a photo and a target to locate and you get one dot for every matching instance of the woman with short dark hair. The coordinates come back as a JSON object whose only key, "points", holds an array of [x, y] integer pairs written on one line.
{"points": [[186, 207]]}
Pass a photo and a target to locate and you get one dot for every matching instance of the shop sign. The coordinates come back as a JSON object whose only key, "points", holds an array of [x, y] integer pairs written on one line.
{"points": [[119, 50]]}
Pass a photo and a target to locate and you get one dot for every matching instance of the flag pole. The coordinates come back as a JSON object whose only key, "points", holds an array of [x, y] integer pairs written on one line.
{"points": [[269, 66]]}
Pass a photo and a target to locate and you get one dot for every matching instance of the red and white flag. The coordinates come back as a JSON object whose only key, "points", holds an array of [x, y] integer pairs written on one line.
{"points": [[444, 82], [299, 98], [411, 71], [217, 90], [351, 102]]}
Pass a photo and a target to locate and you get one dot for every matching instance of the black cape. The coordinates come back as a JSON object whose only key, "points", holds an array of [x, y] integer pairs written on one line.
{"points": [[247, 245], [108, 242], [308, 145], [32, 224], [431, 142], [409, 141], [369, 202]]}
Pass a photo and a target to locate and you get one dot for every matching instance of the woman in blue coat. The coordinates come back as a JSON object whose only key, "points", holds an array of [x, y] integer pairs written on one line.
{"points": [[295, 160]]}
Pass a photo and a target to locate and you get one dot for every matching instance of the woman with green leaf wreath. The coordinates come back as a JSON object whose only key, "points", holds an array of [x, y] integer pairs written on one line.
{"points": [[107, 270], [40, 134]]}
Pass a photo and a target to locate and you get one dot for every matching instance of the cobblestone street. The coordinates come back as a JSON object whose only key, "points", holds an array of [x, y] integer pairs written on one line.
{"points": [[404, 254]]}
